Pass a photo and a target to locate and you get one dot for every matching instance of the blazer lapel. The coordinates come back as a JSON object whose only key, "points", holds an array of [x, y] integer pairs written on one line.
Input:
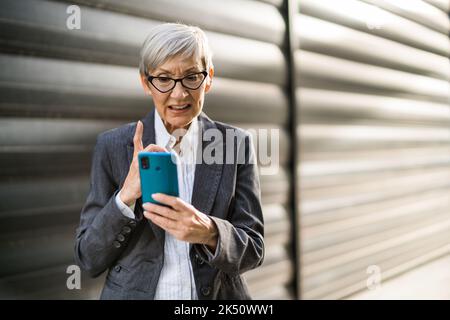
{"points": [[207, 176]]}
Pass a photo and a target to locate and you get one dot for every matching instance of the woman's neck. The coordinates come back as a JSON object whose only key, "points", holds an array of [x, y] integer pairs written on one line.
{"points": [[181, 131]]}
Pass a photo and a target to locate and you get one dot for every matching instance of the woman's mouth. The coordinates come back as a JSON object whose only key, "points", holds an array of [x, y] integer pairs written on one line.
{"points": [[180, 108]]}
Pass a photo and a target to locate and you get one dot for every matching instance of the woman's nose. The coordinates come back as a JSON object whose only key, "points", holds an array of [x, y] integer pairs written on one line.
{"points": [[179, 91]]}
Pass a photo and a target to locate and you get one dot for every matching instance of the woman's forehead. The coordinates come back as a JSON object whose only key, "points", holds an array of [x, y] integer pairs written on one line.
{"points": [[179, 64]]}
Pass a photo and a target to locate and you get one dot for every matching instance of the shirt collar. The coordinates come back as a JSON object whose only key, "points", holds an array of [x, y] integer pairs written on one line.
{"points": [[166, 140]]}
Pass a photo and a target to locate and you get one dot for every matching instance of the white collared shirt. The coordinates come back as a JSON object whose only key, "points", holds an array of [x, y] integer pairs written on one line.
{"points": [[176, 281]]}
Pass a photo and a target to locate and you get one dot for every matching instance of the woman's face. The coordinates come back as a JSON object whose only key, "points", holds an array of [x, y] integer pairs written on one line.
{"points": [[178, 67]]}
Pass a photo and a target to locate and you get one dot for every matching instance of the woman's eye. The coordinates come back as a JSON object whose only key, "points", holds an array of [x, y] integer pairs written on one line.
{"points": [[193, 77], [163, 79]]}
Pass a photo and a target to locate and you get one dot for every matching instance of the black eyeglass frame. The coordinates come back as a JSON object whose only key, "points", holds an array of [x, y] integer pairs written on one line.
{"points": [[150, 79]]}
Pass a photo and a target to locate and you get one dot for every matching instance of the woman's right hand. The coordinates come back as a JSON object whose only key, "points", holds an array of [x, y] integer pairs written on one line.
{"points": [[131, 190]]}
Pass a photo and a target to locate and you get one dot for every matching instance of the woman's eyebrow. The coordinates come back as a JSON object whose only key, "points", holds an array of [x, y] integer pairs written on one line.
{"points": [[169, 72]]}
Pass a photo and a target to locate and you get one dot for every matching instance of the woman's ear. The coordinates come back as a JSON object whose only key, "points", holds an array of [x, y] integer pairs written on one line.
{"points": [[144, 84], [209, 80]]}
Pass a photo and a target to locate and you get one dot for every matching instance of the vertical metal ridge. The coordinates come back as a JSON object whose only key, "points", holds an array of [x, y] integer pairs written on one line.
{"points": [[289, 9]]}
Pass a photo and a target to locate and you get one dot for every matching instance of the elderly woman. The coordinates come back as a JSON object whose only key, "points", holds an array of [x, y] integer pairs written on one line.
{"points": [[200, 243]]}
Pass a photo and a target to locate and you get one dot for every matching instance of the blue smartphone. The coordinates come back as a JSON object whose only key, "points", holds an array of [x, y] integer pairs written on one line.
{"points": [[158, 174]]}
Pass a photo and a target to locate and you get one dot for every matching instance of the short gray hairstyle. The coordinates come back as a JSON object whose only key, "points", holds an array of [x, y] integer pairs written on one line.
{"points": [[170, 39]]}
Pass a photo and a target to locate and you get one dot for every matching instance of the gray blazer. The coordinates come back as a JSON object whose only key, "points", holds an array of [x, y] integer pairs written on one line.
{"points": [[132, 250]]}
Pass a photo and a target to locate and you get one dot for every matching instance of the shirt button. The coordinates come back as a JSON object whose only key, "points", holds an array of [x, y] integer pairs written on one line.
{"points": [[117, 268], [206, 290], [120, 237], [117, 244]]}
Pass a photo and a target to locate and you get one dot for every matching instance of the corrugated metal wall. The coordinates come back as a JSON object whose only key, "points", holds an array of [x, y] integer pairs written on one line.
{"points": [[372, 119], [374, 140], [59, 88]]}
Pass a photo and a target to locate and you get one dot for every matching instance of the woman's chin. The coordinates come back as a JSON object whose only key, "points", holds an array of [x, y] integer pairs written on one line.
{"points": [[179, 122]]}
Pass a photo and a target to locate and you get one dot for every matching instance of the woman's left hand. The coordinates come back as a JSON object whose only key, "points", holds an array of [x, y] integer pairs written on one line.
{"points": [[182, 220]]}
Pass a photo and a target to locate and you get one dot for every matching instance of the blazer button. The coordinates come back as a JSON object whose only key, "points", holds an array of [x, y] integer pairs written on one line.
{"points": [[126, 230], [206, 291], [117, 268], [117, 244], [132, 223], [120, 237]]}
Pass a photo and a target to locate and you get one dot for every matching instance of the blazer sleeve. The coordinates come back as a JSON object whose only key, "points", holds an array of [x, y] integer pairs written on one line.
{"points": [[240, 246], [104, 230]]}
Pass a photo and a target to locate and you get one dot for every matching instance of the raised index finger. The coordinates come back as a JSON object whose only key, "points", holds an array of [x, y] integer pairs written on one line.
{"points": [[137, 139]]}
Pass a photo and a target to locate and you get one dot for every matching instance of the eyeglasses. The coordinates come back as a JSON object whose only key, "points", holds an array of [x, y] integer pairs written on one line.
{"points": [[192, 81]]}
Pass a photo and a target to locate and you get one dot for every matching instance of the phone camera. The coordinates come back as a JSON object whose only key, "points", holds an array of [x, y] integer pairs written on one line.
{"points": [[145, 163]]}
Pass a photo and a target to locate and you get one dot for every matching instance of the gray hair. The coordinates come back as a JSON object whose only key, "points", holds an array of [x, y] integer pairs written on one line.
{"points": [[171, 39]]}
